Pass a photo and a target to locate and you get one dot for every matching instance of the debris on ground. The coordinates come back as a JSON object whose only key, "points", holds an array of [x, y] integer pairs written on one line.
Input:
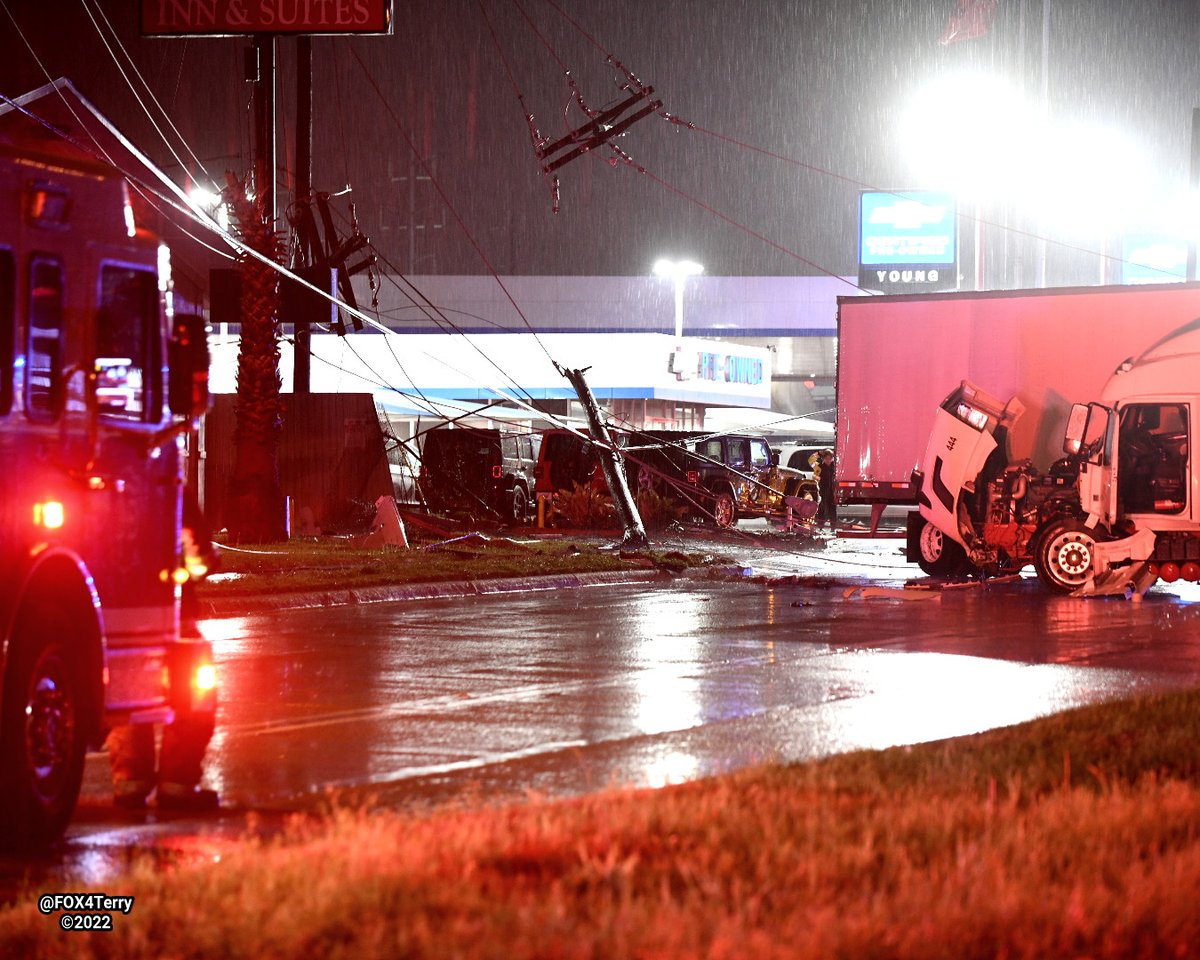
{"points": [[888, 593]]}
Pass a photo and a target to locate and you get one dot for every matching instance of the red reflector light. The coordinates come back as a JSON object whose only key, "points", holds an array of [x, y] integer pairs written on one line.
{"points": [[497, 472], [693, 477]]}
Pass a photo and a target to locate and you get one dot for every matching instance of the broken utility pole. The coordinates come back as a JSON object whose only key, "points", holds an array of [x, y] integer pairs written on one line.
{"points": [[611, 462]]}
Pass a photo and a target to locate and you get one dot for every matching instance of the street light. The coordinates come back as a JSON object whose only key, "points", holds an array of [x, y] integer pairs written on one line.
{"points": [[1076, 179], [678, 271]]}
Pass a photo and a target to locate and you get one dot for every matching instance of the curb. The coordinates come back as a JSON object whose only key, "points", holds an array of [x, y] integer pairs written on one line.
{"points": [[242, 606]]}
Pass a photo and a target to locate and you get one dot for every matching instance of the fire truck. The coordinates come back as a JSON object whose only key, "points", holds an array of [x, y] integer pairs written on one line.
{"points": [[100, 383]]}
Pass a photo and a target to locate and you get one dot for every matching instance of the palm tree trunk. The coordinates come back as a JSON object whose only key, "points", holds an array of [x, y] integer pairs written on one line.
{"points": [[257, 511]]}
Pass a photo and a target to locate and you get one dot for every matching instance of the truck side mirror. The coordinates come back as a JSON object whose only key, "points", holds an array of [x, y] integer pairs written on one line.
{"points": [[187, 361], [1076, 429]]}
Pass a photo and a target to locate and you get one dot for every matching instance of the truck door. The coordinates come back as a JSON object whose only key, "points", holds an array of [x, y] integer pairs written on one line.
{"points": [[1091, 433], [1153, 458]]}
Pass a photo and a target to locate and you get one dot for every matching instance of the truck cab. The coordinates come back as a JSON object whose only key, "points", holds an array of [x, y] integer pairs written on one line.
{"points": [[1138, 491], [978, 510], [1120, 510]]}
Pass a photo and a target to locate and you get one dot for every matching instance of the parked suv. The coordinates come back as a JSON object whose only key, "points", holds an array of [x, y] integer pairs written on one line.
{"points": [[720, 477], [799, 456], [480, 473]]}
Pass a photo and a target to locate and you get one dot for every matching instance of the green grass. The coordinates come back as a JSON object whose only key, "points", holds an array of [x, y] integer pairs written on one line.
{"points": [[326, 564], [1073, 836]]}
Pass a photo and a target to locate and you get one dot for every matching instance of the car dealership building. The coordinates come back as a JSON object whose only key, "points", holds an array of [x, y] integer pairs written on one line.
{"points": [[750, 351]]}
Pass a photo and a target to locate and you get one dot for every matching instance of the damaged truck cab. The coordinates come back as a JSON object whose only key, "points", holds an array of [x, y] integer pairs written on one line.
{"points": [[1116, 513], [976, 509]]}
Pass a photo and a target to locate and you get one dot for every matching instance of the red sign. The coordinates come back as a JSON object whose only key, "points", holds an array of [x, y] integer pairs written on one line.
{"points": [[223, 18]]}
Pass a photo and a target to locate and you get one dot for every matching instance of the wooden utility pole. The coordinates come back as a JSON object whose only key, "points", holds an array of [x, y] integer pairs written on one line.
{"points": [[302, 367], [611, 462]]}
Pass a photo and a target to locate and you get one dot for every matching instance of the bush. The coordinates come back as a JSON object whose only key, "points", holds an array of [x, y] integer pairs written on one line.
{"points": [[659, 510], [582, 508]]}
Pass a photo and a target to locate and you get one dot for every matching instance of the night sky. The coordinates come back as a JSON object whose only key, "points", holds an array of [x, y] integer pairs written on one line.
{"points": [[821, 85]]}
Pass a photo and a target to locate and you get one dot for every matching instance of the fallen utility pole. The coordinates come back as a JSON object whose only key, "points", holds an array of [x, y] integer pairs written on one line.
{"points": [[610, 461]]}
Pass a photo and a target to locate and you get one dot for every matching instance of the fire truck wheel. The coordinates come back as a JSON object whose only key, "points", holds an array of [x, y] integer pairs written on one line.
{"points": [[43, 743], [1062, 555], [938, 555], [724, 510]]}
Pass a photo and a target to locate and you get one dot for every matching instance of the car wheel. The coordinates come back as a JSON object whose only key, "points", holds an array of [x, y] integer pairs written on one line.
{"points": [[937, 554], [1063, 555], [519, 509], [724, 510]]}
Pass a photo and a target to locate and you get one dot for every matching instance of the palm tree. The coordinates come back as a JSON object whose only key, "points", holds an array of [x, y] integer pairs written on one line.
{"points": [[257, 512]]}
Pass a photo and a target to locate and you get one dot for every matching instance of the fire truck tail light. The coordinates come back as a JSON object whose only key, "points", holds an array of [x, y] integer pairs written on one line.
{"points": [[497, 472], [205, 677], [49, 514], [693, 477]]}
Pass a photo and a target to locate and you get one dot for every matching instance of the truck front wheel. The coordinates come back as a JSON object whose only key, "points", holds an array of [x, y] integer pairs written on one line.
{"points": [[937, 554], [1063, 555], [42, 743]]}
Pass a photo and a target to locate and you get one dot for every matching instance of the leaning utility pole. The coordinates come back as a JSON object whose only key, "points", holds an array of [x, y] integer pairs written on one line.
{"points": [[610, 461]]}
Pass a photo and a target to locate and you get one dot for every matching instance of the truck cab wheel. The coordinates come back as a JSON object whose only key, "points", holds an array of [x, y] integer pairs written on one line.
{"points": [[1063, 555], [937, 554]]}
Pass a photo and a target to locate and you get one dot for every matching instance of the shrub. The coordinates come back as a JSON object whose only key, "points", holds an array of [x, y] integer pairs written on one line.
{"points": [[582, 508], [659, 510]]}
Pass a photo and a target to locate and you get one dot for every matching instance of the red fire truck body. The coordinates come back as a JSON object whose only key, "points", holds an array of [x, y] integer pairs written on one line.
{"points": [[98, 386]]}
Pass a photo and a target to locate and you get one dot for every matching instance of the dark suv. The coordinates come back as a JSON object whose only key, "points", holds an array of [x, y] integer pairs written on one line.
{"points": [[721, 477], [567, 458], [479, 473]]}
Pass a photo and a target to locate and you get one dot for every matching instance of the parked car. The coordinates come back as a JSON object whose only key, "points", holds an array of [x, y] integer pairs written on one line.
{"points": [[720, 477], [798, 456], [482, 473]]}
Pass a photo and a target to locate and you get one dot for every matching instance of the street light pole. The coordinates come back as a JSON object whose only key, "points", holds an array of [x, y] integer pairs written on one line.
{"points": [[678, 271]]}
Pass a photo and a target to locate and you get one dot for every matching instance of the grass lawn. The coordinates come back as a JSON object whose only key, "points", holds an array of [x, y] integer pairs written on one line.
{"points": [[330, 563], [1072, 836]]}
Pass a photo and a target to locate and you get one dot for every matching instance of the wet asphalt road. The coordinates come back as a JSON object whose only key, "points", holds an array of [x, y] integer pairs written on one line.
{"points": [[565, 691], [632, 685]]}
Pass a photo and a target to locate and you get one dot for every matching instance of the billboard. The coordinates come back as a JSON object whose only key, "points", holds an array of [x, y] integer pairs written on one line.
{"points": [[226, 18], [908, 241]]}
